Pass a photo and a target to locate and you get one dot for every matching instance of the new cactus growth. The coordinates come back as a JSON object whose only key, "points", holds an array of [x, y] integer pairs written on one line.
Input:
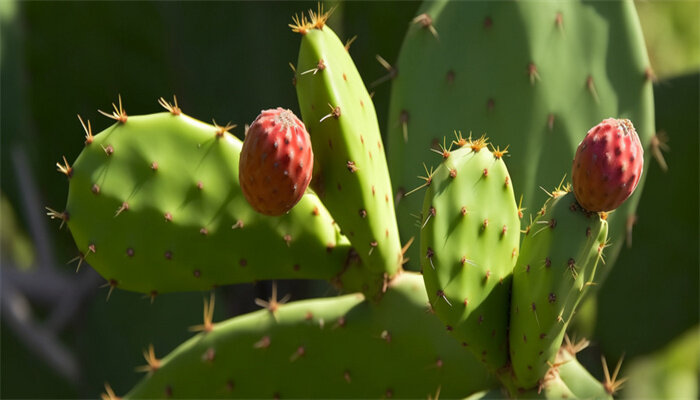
{"points": [[607, 165], [350, 173], [557, 262], [470, 235], [154, 205], [276, 162]]}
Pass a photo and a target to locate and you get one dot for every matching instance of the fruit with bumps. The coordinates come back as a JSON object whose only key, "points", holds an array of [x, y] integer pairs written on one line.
{"points": [[607, 166], [276, 162]]}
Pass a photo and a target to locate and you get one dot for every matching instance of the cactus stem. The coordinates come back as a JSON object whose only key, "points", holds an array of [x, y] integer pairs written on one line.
{"points": [[63, 216], [207, 325], [88, 130], [173, 108], [118, 114]]}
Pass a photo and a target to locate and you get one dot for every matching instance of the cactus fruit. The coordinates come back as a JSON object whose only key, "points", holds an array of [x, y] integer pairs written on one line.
{"points": [[343, 347], [607, 165], [154, 206], [350, 175], [557, 263], [470, 237], [276, 162]]}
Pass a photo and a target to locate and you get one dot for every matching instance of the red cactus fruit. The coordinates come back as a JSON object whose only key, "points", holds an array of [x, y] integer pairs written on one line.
{"points": [[607, 165], [276, 162]]}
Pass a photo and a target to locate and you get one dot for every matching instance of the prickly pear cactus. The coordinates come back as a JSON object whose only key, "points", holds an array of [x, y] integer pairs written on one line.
{"points": [[469, 244], [557, 263], [533, 75], [154, 205], [343, 347], [350, 174]]}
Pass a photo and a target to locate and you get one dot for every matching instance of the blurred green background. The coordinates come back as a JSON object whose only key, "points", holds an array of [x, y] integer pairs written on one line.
{"points": [[227, 61]]}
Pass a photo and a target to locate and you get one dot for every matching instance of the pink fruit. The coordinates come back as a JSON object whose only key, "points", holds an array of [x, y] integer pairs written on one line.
{"points": [[276, 162], [607, 165]]}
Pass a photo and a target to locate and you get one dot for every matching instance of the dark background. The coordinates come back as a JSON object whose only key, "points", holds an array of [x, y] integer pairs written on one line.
{"points": [[227, 61]]}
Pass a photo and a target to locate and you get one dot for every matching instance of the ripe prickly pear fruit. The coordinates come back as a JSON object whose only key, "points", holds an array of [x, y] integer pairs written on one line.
{"points": [[607, 165], [276, 162]]}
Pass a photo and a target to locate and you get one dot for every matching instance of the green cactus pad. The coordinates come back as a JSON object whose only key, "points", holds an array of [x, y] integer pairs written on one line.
{"points": [[350, 171], [532, 74], [469, 242], [341, 347], [154, 206], [557, 263]]}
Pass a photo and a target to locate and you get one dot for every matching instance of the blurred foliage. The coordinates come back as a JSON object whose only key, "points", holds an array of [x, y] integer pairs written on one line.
{"points": [[227, 61], [671, 373], [16, 246], [672, 33]]}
